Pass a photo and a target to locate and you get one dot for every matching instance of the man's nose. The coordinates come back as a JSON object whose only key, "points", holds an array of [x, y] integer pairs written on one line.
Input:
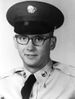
{"points": [[30, 46]]}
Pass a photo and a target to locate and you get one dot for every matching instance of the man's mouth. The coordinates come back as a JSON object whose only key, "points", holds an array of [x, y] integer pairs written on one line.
{"points": [[31, 55]]}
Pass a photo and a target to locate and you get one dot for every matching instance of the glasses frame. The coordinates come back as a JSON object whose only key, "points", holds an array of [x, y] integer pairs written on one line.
{"points": [[44, 38]]}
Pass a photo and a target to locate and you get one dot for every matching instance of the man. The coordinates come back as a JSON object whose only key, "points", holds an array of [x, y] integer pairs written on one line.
{"points": [[34, 23]]}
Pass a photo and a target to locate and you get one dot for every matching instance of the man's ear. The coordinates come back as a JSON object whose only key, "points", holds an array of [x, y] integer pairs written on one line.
{"points": [[53, 42], [15, 43]]}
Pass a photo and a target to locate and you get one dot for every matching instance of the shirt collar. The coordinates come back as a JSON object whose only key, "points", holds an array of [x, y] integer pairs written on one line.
{"points": [[40, 75], [44, 73]]}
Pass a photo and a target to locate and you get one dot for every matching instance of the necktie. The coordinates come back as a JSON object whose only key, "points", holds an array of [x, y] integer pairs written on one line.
{"points": [[26, 90]]}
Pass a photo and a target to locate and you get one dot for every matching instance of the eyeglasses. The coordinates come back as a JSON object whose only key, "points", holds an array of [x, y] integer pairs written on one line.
{"points": [[36, 40]]}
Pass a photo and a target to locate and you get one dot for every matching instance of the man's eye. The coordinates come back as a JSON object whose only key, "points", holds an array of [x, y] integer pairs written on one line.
{"points": [[39, 38], [23, 38]]}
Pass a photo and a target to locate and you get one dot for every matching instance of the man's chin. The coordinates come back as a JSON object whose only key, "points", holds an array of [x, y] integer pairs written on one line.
{"points": [[31, 63]]}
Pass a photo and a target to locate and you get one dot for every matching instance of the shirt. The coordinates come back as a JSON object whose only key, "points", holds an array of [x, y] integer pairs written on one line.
{"points": [[58, 83]]}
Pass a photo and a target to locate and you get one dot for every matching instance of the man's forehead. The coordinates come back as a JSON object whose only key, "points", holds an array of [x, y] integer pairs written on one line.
{"points": [[37, 35]]}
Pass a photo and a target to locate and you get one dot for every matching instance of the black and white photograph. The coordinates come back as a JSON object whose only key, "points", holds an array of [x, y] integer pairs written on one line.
{"points": [[37, 49]]}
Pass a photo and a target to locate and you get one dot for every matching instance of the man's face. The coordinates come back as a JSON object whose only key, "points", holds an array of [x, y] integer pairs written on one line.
{"points": [[32, 55]]}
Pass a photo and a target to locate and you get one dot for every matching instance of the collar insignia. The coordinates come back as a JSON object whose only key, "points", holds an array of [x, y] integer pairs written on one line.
{"points": [[44, 74]]}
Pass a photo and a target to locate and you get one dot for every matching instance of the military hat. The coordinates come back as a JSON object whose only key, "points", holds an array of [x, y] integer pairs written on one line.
{"points": [[34, 17]]}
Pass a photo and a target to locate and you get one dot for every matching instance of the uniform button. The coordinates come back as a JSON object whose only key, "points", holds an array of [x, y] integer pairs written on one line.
{"points": [[31, 95], [44, 85]]}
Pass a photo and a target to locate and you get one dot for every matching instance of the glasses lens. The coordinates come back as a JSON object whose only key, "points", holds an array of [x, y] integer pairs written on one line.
{"points": [[22, 39], [38, 40]]}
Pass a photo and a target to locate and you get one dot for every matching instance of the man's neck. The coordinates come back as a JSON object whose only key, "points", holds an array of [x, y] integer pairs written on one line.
{"points": [[35, 68]]}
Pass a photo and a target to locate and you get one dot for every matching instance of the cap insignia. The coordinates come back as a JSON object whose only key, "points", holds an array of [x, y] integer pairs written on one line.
{"points": [[31, 9]]}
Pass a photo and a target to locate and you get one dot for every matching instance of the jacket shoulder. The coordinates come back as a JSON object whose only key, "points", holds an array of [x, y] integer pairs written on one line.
{"points": [[11, 73], [67, 69]]}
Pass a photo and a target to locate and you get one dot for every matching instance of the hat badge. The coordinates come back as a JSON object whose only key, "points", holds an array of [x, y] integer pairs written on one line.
{"points": [[31, 9]]}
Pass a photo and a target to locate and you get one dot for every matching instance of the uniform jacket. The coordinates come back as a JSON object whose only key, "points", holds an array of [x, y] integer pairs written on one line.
{"points": [[56, 84]]}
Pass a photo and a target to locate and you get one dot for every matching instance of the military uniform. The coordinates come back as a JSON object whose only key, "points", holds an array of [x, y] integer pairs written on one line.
{"points": [[56, 84], [35, 17]]}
